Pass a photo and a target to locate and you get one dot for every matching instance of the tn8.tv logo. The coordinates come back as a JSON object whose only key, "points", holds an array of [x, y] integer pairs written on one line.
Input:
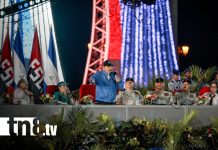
{"points": [[25, 126]]}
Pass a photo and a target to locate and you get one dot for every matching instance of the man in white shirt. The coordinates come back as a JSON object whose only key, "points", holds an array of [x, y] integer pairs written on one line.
{"points": [[212, 96]]}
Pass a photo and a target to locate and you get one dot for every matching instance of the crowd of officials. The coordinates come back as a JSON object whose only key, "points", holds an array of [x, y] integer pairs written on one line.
{"points": [[110, 89]]}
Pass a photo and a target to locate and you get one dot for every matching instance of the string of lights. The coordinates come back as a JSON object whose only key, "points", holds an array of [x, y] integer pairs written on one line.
{"points": [[148, 48]]}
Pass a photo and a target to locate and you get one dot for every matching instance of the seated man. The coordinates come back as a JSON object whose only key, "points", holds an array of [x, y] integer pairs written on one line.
{"points": [[21, 94], [159, 96], [212, 96], [185, 97], [62, 96], [129, 96], [188, 76]]}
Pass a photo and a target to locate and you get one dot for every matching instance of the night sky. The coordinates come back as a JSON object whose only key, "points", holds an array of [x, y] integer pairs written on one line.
{"points": [[197, 27]]}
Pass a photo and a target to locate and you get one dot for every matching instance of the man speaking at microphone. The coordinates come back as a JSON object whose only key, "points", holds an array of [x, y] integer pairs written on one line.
{"points": [[107, 84]]}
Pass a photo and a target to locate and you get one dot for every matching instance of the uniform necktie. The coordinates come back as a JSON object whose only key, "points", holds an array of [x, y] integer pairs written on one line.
{"points": [[211, 99]]}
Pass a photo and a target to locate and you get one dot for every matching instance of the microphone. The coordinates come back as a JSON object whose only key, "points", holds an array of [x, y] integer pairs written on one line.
{"points": [[116, 77], [115, 74]]}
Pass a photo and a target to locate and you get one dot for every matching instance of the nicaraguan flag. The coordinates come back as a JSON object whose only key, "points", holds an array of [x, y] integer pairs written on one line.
{"points": [[51, 71], [18, 58]]}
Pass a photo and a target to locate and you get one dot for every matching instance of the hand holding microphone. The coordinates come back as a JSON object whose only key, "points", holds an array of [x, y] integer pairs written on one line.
{"points": [[117, 78]]}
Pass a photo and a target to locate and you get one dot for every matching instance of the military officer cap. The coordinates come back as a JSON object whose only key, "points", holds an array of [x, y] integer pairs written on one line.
{"points": [[159, 80], [186, 80], [176, 72], [129, 79]]}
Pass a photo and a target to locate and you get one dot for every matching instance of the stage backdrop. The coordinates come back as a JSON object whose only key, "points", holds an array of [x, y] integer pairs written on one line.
{"points": [[40, 17], [72, 23]]}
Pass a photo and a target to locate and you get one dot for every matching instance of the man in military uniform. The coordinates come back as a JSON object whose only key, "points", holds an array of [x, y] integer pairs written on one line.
{"points": [[175, 84], [159, 96], [185, 97], [212, 96], [188, 75], [129, 96]]}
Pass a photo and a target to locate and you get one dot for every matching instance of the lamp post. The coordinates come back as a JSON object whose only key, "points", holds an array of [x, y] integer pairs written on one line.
{"points": [[183, 51]]}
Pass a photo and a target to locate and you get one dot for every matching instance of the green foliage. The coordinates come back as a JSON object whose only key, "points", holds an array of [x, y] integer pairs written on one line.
{"points": [[63, 128], [197, 72], [201, 75], [98, 147], [82, 127], [78, 130], [173, 141], [214, 122], [133, 142], [81, 131], [151, 83], [106, 123], [142, 89], [208, 73]]}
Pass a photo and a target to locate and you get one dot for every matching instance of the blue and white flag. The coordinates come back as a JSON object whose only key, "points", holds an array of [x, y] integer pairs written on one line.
{"points": [[18, 60], [51, 71]]}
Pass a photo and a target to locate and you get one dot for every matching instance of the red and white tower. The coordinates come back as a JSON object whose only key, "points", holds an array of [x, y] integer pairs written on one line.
{"points": [[103, 44]]}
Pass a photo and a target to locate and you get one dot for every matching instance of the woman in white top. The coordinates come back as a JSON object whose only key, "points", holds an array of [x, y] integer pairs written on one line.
{"points": [[21, 94]]}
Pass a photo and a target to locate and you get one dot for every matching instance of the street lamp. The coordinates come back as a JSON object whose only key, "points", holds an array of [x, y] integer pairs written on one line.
{"points": [[184, 50]]}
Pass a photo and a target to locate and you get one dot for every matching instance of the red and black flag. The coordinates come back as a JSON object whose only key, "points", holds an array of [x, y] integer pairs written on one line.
{"points": [[35, 72], [6, 66]]}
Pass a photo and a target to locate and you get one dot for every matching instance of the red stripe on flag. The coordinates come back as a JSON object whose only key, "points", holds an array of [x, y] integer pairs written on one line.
{"points": [[36, 53], [35, 73], [7, 72]]}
